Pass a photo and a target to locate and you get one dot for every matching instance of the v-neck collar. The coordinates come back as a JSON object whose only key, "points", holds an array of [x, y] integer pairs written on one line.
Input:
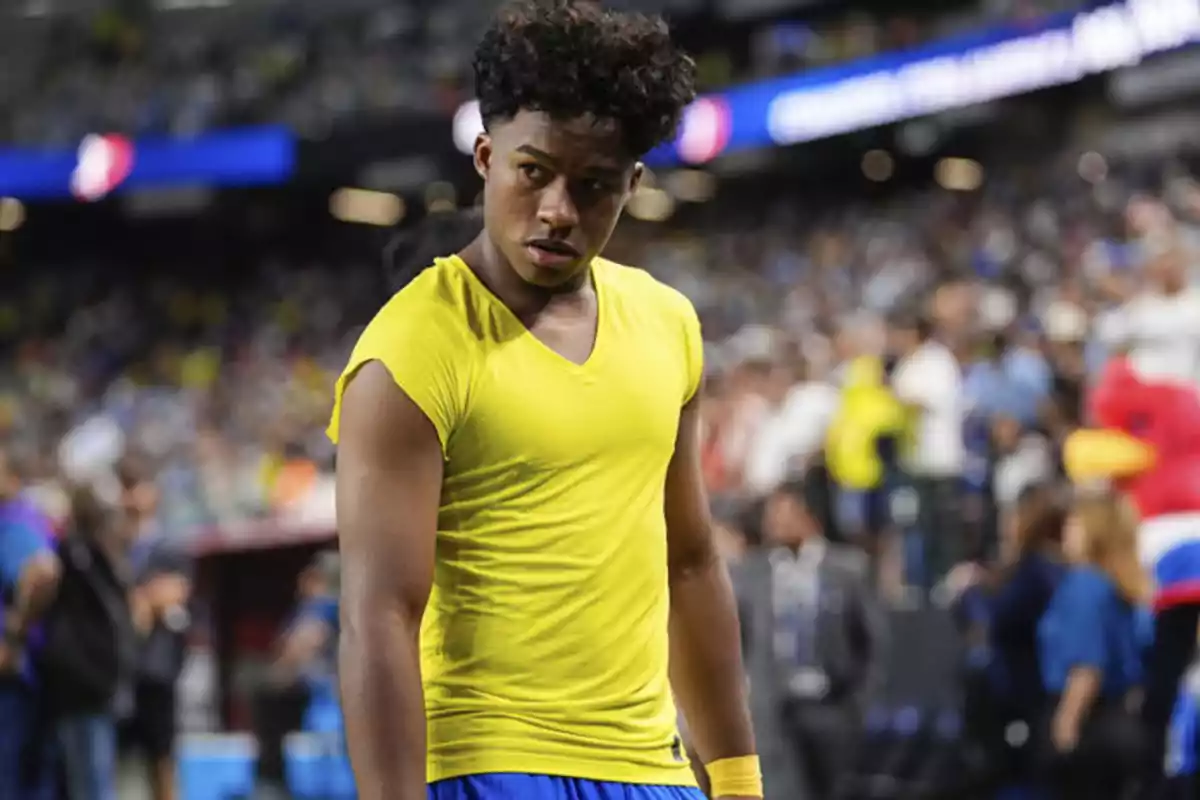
{"points": [[598, 341]]}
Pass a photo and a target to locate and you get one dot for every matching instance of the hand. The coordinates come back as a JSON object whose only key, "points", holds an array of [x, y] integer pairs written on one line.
{"points": [[963, 577], [167, 591], [1064, 733]]}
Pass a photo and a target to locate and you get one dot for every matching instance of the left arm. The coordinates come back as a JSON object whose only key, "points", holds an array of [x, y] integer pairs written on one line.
{"points": [[1081, 690], [705, 639], [30, 567]]}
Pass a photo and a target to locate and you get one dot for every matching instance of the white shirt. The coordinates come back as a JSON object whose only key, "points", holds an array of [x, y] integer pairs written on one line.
{"points": [[1162, 333], [787, 438], [930, 379], [1030, 464]]}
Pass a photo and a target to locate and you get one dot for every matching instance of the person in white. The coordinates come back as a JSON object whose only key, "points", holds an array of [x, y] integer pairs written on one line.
{"points": [[1159, 327], [792, 433], [928, 380]]}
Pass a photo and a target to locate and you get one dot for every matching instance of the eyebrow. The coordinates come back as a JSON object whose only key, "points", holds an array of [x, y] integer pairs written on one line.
{"points": [[542, 155]]}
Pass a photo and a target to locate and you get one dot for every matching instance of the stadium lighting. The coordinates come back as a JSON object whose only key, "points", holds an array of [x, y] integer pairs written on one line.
{"points": [[878, 165], [366, 207], [959, 174], [690, 185], [651, 205], [12, 214]]}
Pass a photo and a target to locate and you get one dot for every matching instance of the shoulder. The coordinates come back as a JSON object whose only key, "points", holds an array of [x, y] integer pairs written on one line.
{"points": [[428, 337], [1087, 585], [438, 300], [667, 314], [634, 285]]}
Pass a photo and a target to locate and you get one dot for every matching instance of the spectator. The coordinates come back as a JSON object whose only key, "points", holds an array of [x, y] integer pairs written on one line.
{"points": [[1003, 607], [928, 382], [29, 574], [1091, 656], [303, 667], [792, 433], [815, 645], [162, 572], [89, 660]]}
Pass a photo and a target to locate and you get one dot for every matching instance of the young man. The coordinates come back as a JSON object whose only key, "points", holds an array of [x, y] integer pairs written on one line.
{"points": [[520, 502]]}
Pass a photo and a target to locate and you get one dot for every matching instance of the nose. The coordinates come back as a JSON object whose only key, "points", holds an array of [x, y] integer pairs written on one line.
{"points": [[557, 209]]}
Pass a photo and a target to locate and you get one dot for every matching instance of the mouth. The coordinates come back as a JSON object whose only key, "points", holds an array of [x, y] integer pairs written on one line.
{"points": [[551, 252]]}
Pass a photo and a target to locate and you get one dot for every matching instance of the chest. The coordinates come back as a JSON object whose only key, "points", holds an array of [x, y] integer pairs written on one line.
{"points": [[572, 337], [532, 410]]}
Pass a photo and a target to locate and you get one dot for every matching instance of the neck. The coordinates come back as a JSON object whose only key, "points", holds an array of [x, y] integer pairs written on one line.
{"points": [[522, 298]]}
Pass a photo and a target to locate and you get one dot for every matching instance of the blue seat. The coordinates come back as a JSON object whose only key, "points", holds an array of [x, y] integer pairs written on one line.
{"points": [[215, 767], [316, 762]]}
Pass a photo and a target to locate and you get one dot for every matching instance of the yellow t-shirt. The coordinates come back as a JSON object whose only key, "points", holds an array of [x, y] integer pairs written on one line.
{"points": [[544, 644], [868, 411]]}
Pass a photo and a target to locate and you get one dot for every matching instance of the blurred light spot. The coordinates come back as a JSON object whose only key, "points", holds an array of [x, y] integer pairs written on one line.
{"points": [[366, 207], [1092, 167], [878, 165], [959, 174], [651, 205], [12, 214], [691, 185], [441, 196]]}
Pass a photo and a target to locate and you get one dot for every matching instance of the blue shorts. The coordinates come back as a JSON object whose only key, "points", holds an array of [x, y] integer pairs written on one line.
{"points": [[516, 786]]}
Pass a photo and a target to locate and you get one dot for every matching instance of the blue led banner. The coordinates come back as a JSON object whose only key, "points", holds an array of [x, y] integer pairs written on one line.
{"points": [[103, 163]]}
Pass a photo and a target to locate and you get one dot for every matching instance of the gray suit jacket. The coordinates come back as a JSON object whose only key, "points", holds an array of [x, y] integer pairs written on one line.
{"points": [[850, 648]]}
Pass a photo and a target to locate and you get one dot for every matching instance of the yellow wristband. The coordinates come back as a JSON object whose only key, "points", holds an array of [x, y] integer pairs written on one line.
{"points": [[735, 777]]}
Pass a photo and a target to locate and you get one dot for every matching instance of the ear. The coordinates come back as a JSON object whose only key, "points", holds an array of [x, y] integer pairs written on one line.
{"points": [[635, 178], [483, 154]]}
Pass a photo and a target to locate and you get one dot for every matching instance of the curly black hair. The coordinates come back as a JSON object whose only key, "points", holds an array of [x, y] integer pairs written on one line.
{"points": [[573, 59]]}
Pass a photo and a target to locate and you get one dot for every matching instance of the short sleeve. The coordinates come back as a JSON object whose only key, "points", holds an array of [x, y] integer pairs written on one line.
{"points": [[418, 339], [694, 344], [1085, 598], [18, 544]]}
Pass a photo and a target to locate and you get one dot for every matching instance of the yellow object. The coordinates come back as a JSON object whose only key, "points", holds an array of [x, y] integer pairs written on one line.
{"points": [[544, 642], [1091, 454], [735, 777], [867, 412]]}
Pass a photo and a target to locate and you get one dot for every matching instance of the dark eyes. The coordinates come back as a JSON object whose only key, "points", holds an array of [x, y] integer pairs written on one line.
{"points": [[533, 172], [537, 174]]}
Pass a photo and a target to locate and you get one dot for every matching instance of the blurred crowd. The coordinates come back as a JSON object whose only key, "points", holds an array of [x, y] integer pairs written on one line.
{"points": [[187, 67]]}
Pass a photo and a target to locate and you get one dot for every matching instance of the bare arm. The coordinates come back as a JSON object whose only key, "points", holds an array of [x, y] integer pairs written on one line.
{"points": [[34, 590], [389, 476], [706, 659], [1083, 684]]}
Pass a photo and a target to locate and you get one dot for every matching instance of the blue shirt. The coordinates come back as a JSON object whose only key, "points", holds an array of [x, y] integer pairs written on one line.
{"points": [[323, 610], [1014, 385], [1016, 610], [25, 532], [1089, 624]]}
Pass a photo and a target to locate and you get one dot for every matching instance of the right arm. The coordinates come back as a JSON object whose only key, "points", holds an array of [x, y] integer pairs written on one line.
{"points": [[389, 475]]}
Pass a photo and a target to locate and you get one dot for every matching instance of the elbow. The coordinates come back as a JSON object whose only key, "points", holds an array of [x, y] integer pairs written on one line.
{"points": [[693, 561], [42, 575], [367, 623]]}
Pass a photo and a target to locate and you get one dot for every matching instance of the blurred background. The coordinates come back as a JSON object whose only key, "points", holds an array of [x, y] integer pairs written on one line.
{"points": [[194, 200]]}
